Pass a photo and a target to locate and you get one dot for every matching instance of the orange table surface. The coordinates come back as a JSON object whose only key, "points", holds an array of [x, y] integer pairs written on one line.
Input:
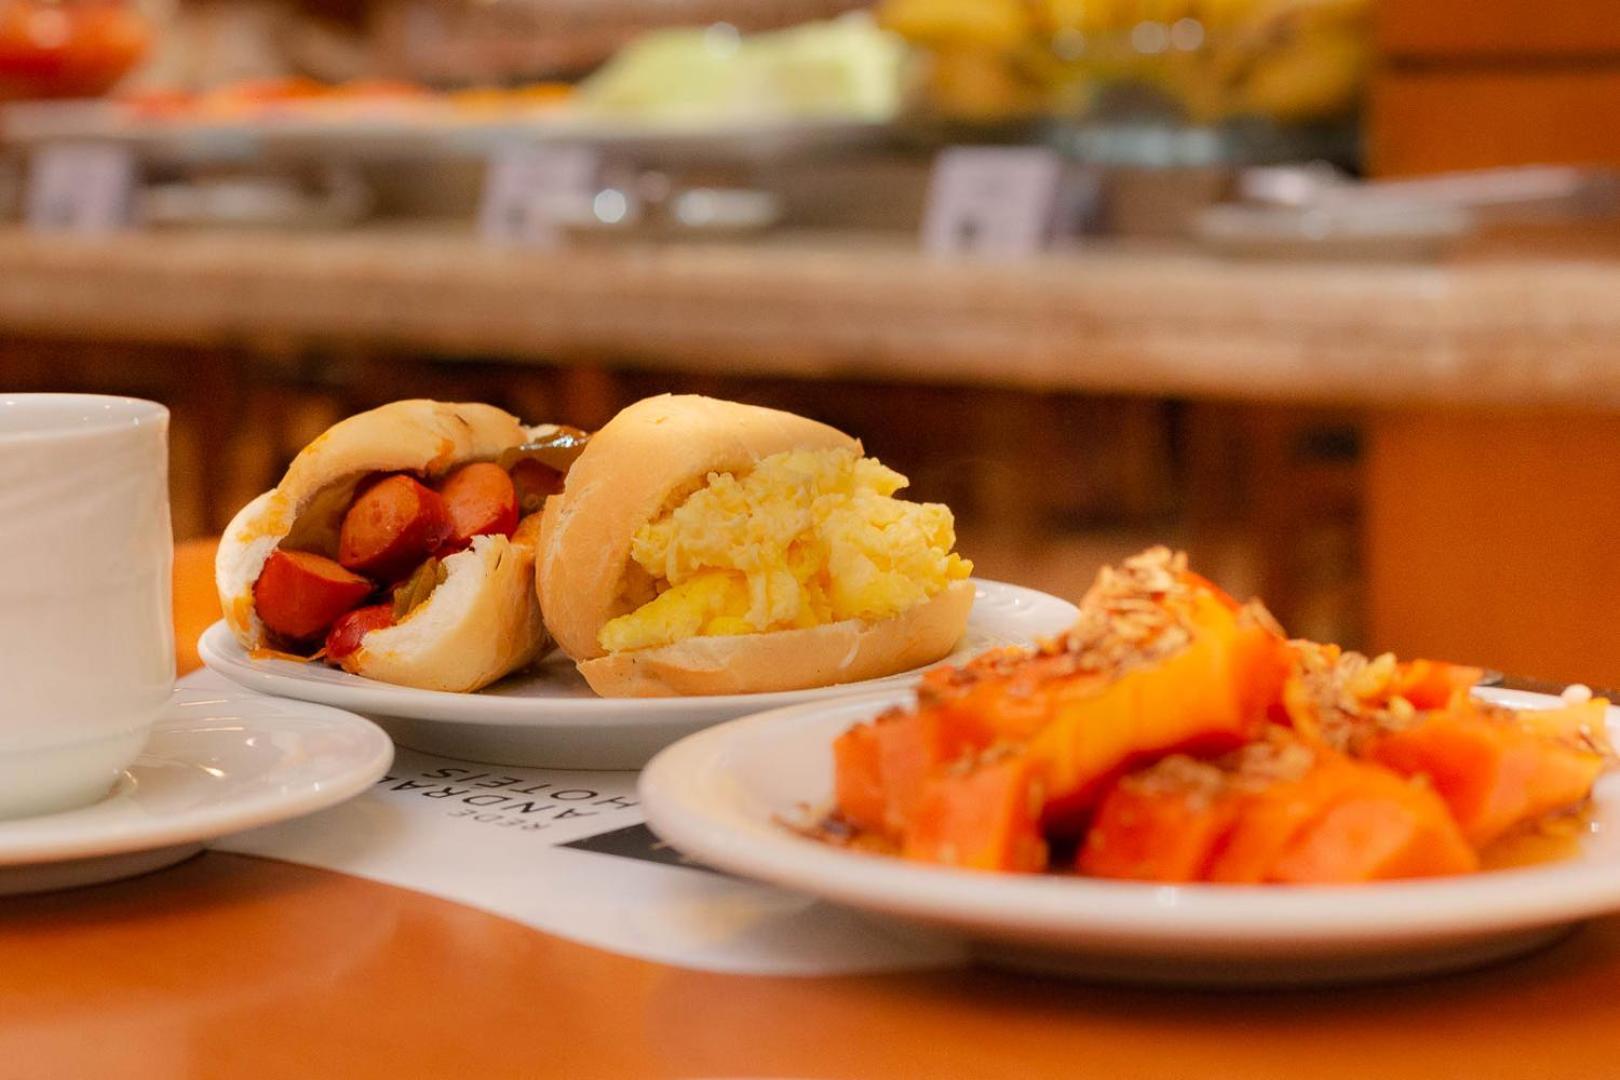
{"points": [[229, 966]]}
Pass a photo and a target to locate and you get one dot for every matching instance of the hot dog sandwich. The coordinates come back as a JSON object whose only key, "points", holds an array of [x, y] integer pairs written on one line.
{"points": [[400, 545]]}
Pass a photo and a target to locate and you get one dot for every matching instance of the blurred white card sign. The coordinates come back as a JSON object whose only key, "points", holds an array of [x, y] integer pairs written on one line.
{"points": [[992, 200], [525, 187], [81, 187]]}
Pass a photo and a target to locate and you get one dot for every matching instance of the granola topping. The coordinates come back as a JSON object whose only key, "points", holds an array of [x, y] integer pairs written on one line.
{"points": [[1351, 695], [1179, 774], [1131, 617], [1275, 758]]}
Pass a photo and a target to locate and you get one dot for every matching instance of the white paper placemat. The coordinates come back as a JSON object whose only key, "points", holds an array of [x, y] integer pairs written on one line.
{"points": [[567, 853]]}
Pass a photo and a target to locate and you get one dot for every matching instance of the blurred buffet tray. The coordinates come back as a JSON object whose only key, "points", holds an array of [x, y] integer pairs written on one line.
{"points": [[422, 129]]}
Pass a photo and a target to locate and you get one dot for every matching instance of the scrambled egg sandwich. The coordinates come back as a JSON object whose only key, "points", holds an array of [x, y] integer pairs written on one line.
{"points": [[709, 547]]}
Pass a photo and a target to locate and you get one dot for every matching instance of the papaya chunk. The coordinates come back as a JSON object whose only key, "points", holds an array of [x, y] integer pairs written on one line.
{"points": [[1431, 684], [911, 749], [1497, 768], [1277, 811], [986, 818], [1271, 820], [1008, 694], [1208, 698], [1341, 697], [1168, 835], [881, 767], [1394, 829], [858, 777]]}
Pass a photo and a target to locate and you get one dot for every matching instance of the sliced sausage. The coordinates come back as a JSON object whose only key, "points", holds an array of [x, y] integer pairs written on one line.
{"points": [[481, 500], [299, 594], [346, 633], [394, 524]]}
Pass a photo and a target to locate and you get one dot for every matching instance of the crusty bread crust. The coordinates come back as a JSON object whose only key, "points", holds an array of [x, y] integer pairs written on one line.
{"points": [[429, 438], [647, 457], [789, 659]]}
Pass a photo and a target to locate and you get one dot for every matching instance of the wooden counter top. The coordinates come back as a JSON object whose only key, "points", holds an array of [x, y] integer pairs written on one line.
{"points": [[1486, 330], [235, 967]]}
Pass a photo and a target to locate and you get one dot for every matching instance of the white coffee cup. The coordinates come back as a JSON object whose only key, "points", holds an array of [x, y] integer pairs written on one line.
{"points": [[86, 554]]}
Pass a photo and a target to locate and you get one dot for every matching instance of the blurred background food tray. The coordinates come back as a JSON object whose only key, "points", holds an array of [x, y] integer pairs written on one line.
{"points": [[426, 131]]}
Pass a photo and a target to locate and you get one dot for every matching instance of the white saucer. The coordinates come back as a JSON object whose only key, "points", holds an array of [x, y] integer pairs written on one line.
{"points": [[217, 763], [720, 796], [548, 717]]}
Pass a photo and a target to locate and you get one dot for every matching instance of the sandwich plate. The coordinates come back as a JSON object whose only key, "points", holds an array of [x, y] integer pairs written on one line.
{"points": [[723, 795], [547, 717]]}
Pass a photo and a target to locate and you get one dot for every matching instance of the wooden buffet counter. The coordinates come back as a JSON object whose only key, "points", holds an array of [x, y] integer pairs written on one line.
{"points": [[1490, 330], [1491, 382]]}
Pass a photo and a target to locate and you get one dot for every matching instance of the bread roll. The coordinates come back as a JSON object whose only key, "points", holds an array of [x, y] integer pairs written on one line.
{"points": [[481, 623], [646, 461], [839, 652]]}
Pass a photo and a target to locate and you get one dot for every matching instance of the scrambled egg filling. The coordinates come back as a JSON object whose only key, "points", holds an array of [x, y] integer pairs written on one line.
{"points": [[804, 539]]}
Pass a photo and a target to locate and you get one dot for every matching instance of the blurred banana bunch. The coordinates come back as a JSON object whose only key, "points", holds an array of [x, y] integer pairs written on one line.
{"points": [[1287, 60]]}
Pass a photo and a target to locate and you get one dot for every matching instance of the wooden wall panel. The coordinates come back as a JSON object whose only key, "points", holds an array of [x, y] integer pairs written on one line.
{"points": [[1492, 539], [1425, 121], [1517, 28]]}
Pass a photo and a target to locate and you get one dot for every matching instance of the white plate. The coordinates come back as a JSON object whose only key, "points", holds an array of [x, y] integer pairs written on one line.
{"points": [[216, 764], [548, 717], [721, 794]]}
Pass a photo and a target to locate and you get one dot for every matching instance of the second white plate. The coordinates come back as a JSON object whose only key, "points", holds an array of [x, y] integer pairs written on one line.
{"points": [[548, 717], [723, 795]]}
